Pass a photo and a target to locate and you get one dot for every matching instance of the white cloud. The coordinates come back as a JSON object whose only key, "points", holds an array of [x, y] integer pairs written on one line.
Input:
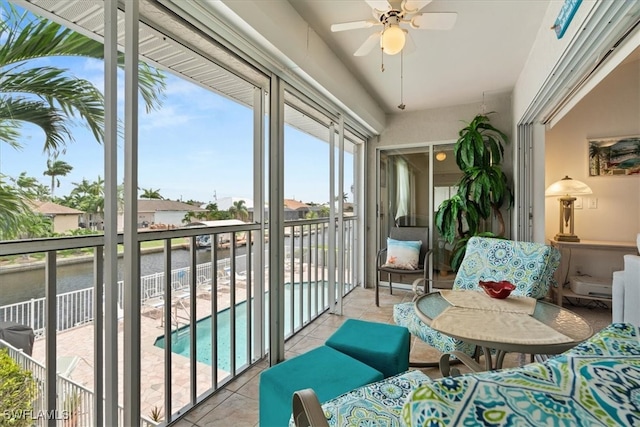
{"points": [[166, 117]]}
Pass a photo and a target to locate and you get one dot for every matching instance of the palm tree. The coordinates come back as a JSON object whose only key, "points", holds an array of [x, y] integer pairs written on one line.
{"points": [[47, 96], [57, 97], [13, 212], [150, 193], [30, 188], [56, 168], [88, 197], [596, 151], [239, 210]]}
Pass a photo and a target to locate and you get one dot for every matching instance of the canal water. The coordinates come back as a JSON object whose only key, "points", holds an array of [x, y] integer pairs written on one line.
{"points": [[23, 285], [26, 284]]}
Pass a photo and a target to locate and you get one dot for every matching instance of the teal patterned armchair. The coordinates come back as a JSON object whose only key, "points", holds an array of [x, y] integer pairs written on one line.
{"points": [[529, 266]]}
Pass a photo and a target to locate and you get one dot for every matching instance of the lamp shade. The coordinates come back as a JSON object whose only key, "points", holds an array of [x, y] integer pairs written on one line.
{"points": [[392, 40], [568, 187]]}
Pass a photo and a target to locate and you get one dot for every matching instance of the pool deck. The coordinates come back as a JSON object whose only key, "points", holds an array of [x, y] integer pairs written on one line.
{"points": [[79, 342]]}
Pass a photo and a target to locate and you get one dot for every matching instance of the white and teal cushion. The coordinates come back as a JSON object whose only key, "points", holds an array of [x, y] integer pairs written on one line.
{"points": [[529, 266], [595, 383], [375, 405], [402, 254], [404, 314]]}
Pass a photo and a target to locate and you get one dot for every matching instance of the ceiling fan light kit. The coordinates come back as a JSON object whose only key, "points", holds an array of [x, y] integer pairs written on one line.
{"points": [[392, 39], [392, 15]]}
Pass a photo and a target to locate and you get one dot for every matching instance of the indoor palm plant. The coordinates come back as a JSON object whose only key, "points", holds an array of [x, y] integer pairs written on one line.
{"points": [[483, 188]]}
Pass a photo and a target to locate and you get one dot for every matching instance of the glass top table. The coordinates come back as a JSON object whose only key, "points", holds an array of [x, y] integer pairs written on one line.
{"points": [[573, 326]]}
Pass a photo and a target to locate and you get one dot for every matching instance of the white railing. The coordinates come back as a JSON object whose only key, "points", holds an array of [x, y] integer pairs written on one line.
{"points": [[310, 266], [75, 308], [74, 402]]}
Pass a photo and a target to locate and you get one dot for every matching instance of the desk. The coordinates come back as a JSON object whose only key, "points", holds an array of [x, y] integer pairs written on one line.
{"points": [[573, 326], [567, 249]]}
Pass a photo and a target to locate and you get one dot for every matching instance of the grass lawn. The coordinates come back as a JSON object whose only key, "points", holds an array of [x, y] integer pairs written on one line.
{"points": [[85, 251]]}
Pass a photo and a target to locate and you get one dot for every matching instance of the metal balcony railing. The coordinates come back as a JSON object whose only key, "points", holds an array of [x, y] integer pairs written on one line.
{"points": [[225, 302]]}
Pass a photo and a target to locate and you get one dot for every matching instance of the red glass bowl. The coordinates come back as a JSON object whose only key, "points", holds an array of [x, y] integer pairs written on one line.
{"points": [[499, 290]]}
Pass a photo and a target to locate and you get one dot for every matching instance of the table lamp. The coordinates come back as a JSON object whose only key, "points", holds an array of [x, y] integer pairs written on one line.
{"points": [[567, 188]]}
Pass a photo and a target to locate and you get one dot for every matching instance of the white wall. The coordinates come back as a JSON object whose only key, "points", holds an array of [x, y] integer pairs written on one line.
{"points": [[543, 57], [611, 109]]}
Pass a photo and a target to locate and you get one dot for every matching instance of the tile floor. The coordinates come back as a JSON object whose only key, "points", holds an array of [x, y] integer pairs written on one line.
{"points": [[237, 403]]}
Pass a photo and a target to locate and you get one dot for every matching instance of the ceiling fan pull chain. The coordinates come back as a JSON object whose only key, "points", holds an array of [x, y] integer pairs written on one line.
{"points": [[382, 59], [401, 106]]}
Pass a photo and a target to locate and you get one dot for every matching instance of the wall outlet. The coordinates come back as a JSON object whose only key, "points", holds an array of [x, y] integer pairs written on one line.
{"points": [[578, 203], [593, 203]]}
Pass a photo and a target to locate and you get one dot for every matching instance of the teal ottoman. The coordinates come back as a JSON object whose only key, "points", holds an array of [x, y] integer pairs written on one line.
{"points": [[382, 346], [327, 371]]}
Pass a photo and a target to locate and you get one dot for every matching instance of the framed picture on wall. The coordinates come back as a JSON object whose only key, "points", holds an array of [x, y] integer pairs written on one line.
{"points": [[614, 156]]}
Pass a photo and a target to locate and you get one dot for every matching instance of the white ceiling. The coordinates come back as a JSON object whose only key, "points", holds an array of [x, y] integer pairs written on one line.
{"points": [[484, 52]]}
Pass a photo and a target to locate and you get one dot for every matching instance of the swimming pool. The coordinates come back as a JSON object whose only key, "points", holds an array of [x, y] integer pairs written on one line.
{"points": [[180, 339]]}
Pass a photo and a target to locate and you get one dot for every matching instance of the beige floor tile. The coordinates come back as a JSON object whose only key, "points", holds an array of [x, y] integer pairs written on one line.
{"points": [[251, 388], [207, 406], [244, 378], [322, 332], [237, 411], [308, 344]]}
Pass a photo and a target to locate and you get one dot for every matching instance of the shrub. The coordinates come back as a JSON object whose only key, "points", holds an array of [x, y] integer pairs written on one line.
{"points": [[17, 392]]}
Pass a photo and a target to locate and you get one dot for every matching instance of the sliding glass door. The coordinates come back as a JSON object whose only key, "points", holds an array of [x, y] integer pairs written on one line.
{"points": [[413, 182]]}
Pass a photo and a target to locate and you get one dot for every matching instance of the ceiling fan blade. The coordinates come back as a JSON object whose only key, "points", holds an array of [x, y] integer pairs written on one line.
{"points": [[354, 25], [412, 6], [381, 5], [434, 21], [368, 45]]}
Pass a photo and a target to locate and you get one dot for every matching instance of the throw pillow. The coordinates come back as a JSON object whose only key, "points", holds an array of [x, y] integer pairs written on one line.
{"points": [[403, 254]]}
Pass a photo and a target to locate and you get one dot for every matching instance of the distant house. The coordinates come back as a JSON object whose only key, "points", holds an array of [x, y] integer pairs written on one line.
{"points": [[63, 218], [294, 209], [166, 212]]}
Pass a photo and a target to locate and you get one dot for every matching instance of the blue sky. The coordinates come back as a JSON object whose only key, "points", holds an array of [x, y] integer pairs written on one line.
{"points": [[197, 145]]}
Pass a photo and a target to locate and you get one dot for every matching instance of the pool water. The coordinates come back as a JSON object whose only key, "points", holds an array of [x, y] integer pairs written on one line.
{"points": [[180, 339]]}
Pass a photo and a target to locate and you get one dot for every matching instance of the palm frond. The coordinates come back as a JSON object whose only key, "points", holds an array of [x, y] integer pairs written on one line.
{"points": [[39, 113]]}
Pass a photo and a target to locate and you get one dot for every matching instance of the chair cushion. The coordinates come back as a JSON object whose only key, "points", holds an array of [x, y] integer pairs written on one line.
{"points": [[377, 404], [529, 266], [404, 314], [402, 254]]}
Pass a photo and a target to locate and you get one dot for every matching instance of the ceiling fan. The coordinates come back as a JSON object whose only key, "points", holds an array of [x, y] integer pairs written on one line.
{"points": [[391, 15]]}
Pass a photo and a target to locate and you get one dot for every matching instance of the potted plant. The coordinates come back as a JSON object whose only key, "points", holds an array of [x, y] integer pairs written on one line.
{"points": [[483, 188]]}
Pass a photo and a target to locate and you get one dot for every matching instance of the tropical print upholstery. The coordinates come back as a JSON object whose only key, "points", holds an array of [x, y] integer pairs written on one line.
{"points": [[405, 315], [529, 266], [375, 405], [595, 383]]}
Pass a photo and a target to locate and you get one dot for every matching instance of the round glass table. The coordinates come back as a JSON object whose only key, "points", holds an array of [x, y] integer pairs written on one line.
{"points": [[503, 340]]}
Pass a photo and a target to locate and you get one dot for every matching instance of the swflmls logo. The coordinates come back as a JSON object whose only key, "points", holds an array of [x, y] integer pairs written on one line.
{"points": [[36, 415]]}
